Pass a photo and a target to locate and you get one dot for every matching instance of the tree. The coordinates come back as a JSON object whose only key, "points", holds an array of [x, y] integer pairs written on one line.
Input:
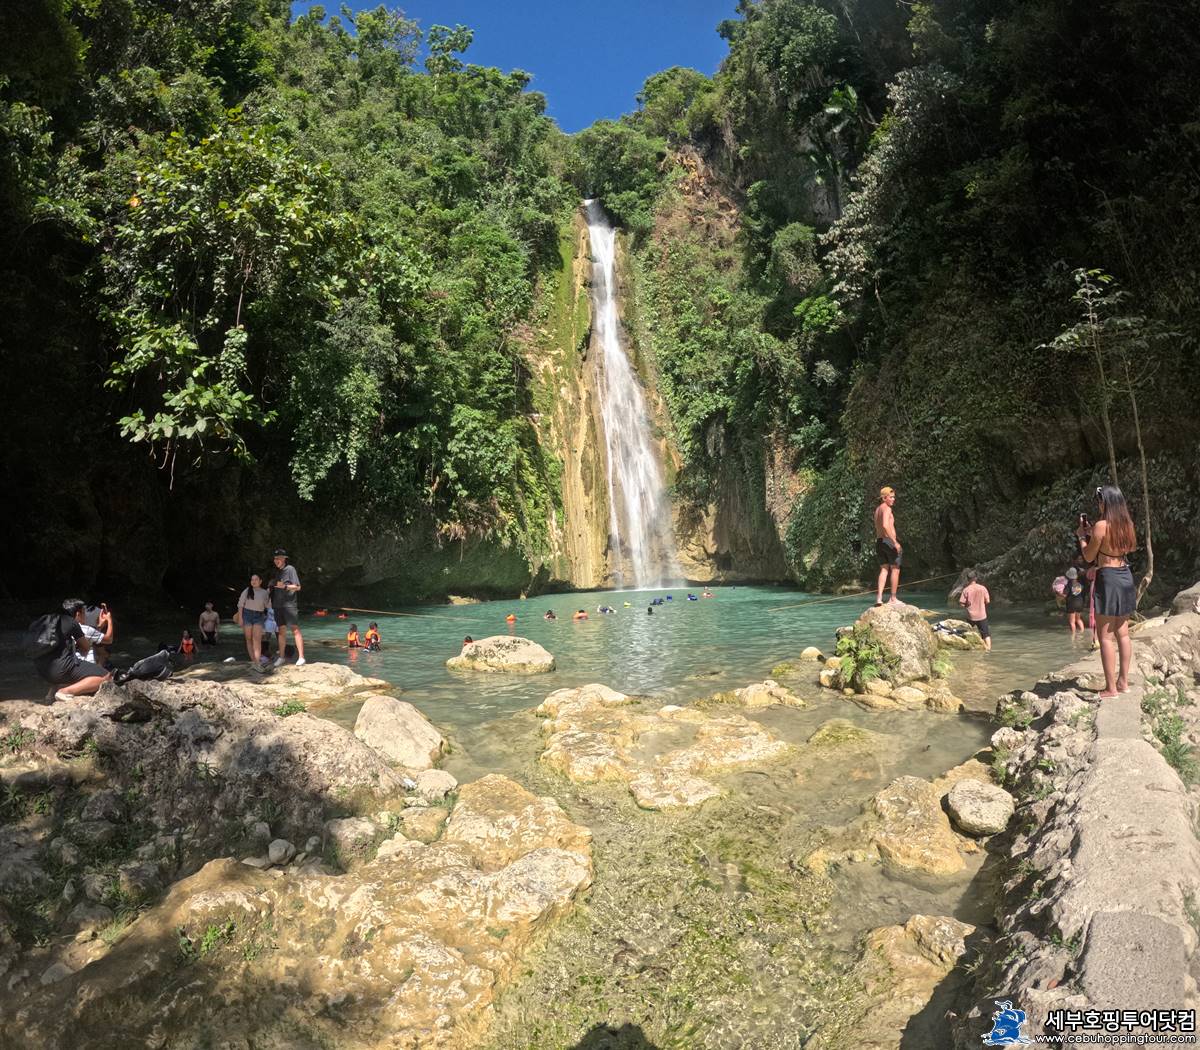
{"points": [[1119, 346]]}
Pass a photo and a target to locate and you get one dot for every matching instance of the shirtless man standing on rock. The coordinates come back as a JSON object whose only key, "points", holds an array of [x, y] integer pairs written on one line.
{"points": [[887, 546]]}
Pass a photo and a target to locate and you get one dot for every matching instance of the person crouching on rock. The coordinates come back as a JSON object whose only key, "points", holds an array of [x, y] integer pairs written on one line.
{"points": [[61, 659], [976, 598], [887, 546], [372, 638], [352, 637], [1112, 540]]}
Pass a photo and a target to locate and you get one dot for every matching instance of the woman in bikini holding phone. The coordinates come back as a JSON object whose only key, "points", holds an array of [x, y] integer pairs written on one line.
{"points": [[1111, 541]]}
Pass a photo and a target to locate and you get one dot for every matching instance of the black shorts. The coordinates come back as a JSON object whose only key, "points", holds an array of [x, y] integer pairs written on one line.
{"points": [[68, 672], [982, 627], [287, 615], [885, 551], [1115, 593], [208, 637]]}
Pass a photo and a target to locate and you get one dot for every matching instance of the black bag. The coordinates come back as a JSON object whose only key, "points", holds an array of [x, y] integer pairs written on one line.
{"points": [[157, 667], [44, 637]]}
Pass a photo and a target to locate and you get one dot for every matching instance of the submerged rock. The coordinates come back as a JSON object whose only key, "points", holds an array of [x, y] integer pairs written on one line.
{"points": [[911, 831], [503, 653], [399, 732], [593, 735], [900, 969], [767, 693]]}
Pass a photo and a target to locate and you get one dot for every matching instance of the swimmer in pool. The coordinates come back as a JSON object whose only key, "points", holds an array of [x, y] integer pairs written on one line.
{"points": [[549, 615]]}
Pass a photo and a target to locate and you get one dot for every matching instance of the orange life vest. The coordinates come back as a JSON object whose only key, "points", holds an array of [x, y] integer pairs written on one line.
{"points": [[352, 639], [187, 646], [372, 637]]}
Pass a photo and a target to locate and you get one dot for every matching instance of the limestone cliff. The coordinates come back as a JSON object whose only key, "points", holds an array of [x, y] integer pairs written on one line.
{"points": [[556, 351]]}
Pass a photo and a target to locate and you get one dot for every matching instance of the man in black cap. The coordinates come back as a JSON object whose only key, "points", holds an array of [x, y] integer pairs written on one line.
{"points": [[284, 587]]}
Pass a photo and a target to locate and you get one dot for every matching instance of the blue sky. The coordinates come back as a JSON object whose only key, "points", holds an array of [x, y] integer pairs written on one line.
{"points": [[588, 59]]}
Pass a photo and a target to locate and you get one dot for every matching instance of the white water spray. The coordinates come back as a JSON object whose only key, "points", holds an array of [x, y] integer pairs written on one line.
{"points": [[639, 513]]}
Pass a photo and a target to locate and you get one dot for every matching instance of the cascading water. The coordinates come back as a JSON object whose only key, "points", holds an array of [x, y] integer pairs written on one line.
{"points": [[640, 530]]}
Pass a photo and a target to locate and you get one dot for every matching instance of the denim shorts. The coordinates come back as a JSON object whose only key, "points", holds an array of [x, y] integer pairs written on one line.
{"points": [[250, 617]]}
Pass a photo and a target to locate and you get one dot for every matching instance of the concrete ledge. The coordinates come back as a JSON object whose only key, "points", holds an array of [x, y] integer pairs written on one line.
{"points": [[1101, 878]]}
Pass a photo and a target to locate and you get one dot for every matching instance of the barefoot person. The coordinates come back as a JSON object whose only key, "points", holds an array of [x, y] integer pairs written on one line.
{"points": [[887, 546], [1111, 541], [284, 587], [975, 597]]}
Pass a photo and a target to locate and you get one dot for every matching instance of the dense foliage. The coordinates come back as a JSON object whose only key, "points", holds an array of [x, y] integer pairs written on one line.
{"points": [[861, 244], [297, 258], [281, 242]]}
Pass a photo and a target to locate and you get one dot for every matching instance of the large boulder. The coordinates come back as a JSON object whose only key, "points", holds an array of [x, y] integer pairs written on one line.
{"points": [[906, 635], [979, 808], [503, 653], [399, 732], [1187, 601]]}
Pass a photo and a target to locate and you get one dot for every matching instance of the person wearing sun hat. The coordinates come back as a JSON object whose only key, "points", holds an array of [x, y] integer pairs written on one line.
{"points": [[887, 547], [284, 587]]}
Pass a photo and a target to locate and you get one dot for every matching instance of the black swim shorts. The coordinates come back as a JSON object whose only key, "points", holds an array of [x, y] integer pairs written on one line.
{"points": [[885, 551], [287, 614], [982, 627]]}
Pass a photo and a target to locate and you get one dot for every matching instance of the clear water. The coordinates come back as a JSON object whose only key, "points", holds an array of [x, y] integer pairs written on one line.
{"points": [[639, 512], [684, 651]]}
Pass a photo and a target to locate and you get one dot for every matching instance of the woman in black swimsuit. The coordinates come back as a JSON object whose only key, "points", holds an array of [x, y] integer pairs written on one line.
{"points": [[1111, 540]]}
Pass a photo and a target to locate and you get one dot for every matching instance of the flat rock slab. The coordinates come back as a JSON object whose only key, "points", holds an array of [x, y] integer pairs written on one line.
{"points": [[314, 683], [593, 734], [503, 654], [1132, 958]]}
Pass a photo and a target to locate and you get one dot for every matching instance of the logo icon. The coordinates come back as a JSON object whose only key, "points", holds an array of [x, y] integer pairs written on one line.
{"points": [[1006, 1026]]}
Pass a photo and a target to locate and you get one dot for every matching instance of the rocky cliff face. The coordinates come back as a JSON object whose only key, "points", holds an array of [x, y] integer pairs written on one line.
{"points": [[557, 352]]}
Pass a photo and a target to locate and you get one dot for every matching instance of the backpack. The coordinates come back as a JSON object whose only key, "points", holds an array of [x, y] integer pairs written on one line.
{"points": [[153, 667], [43, 637]]}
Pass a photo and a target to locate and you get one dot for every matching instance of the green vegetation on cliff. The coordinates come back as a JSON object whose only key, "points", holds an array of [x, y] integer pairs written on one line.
{"points": [[236, 237], [859, 246]]}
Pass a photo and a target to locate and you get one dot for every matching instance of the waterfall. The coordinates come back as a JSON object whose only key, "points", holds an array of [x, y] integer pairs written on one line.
{"points": [[640, 533]]}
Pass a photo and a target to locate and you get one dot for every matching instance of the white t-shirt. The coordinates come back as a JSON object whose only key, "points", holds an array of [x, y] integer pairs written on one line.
{"points": [[93, 636]]}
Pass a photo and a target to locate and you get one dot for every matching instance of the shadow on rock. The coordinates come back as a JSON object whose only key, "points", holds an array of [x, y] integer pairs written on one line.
{"points": [[187, 856], [605, 1037]]}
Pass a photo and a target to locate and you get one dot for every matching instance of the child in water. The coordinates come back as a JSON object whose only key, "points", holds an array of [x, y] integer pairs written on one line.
{"points": [[372, 639], [187, 644], [549, 615], [352, 641], [580, 615]]}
